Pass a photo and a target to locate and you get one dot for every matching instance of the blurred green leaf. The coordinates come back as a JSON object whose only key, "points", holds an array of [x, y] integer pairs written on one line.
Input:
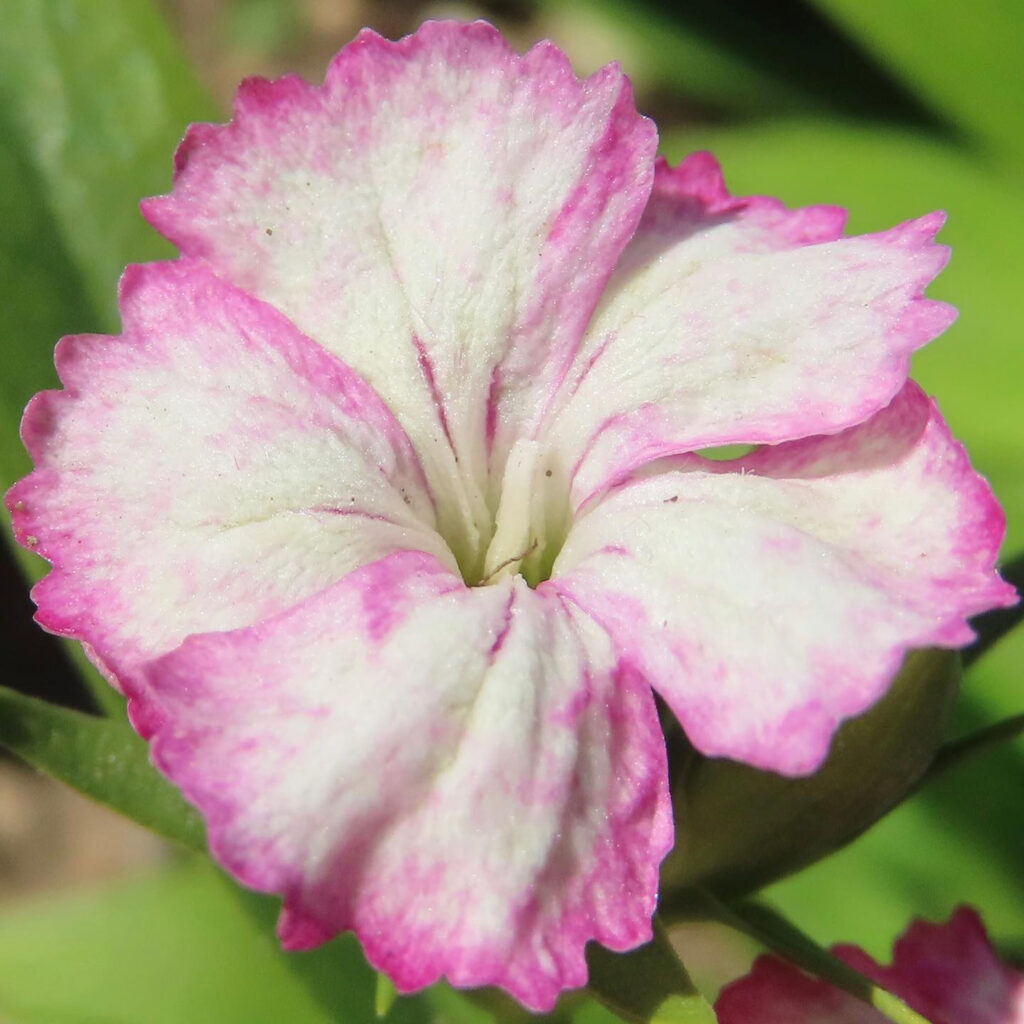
{"points": [[93, 98], [262, 26], [965, 59], [977, 743], [42, 298], [98, 95], [41, 295], [100, 757], [661, 53], [177, 947], [732, 58], [384, 997]]}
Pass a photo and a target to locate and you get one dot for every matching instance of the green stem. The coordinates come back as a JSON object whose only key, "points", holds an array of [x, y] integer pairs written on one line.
{"points": [[952, 754], [100, 757], [384, 997], [648, 985], [777, 934]]}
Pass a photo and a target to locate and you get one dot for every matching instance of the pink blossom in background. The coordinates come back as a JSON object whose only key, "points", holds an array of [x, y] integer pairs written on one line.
{"points": [[948, 972], [386, 511]]}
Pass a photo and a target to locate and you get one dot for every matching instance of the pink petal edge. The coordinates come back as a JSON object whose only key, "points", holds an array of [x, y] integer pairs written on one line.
{"points": [[864, 544], [687, 393], [145, 473], [485, 845], [466, 315]]}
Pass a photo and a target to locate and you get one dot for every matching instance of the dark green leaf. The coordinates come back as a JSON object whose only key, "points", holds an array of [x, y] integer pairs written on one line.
{"points": [[963, 58], [100, 757]]}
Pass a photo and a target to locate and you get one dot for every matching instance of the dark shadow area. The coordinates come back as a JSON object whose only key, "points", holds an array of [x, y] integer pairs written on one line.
{"points": [[35, 664], [795, 42]]}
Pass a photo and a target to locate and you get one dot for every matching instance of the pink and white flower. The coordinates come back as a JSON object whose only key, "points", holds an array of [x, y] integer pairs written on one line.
{"points": [[385, 508], [947, 972]]}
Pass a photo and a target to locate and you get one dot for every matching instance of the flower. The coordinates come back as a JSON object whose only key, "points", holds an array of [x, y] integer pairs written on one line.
{"points": [[947, 972], [385, 509]]}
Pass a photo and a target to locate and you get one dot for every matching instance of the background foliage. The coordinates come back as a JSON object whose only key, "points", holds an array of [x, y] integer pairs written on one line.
{"points": [[891, 109]]}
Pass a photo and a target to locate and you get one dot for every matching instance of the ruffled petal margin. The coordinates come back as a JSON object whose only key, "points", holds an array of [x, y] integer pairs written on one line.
{"points": [[208, 467], [468, 779], [736, 320], [443, 214], [771, 597]]}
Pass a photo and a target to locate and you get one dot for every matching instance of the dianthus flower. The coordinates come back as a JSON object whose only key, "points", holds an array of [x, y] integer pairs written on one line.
{"points": [[385, 511], [947, 972]]}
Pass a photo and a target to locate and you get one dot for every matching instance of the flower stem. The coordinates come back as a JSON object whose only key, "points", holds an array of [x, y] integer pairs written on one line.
{"points": [[777, 934], [648, 985], [952, 754]]}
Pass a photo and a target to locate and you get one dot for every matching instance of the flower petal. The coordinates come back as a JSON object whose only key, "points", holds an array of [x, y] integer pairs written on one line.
{"points": [[442, 214], [770, 597], [947, 972], [207, 468], [737, 320], [775, 992], [464, 777]]}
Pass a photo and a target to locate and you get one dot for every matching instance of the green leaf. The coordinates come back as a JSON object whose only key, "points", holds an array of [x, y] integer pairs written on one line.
{"points": [[98, 94], [93, 98], [963, 58], [100, 757], [385, 996], [648, 985], [731, 58], [176, 947]]}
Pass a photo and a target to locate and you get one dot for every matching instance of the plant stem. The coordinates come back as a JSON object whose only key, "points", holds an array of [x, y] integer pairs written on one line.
{"points": [[979, 742], [777, 934]]}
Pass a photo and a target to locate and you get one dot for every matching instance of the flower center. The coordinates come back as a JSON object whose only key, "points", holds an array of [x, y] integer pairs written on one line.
{"points": [[521, 542]]}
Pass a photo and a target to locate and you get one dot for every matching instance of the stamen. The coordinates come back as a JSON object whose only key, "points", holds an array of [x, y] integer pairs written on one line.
{"points": [[513, 538]]}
